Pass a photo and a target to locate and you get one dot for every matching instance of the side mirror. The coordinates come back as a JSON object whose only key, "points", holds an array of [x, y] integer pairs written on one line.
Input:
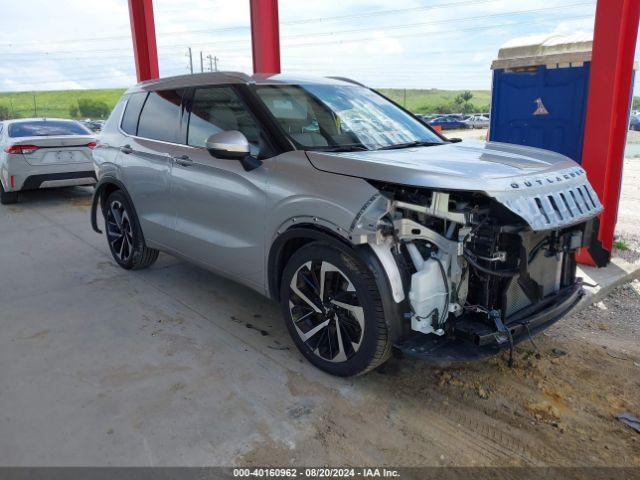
{"points": [[232, 145], [455, 140]]}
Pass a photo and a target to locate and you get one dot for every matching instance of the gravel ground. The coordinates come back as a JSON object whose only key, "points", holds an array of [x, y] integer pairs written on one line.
{"points": [[557, 406]]}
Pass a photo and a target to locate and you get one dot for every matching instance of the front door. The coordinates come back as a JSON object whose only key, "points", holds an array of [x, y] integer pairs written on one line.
{"points": [[220, 208]]}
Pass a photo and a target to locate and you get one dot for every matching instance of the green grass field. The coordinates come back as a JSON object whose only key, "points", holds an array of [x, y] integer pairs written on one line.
{"points": [[432, 101], [53, 103], [57, 103]]}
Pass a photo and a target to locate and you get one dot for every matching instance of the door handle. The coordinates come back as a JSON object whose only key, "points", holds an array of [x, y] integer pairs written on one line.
{"points": [[126, 149], [183, 161]]}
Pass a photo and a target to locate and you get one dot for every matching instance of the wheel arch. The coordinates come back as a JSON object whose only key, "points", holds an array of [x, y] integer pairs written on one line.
{"points": [[287, 243], [105, 187]]}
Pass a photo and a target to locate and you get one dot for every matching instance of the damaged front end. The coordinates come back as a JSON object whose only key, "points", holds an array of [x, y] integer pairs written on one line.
{"points": [[472, 274]]}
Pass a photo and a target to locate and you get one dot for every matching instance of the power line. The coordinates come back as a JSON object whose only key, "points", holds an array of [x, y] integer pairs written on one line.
{"points": [[102, 77], [387, 12], [425, 52], [315, 66], [411, 35], [340, 32], [290, 22], [421, 24]]}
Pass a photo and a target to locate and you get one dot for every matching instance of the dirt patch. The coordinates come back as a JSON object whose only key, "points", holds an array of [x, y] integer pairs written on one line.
{"points": [[81, 202], [556, 406], [37, 336]]}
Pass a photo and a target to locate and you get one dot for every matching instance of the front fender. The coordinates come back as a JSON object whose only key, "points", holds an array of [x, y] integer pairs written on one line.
{"points": [[393, 309]]}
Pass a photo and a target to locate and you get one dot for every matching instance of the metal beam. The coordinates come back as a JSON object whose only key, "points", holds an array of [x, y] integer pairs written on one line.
{"points": [[143, 33], [610, 84], [265, 36]]}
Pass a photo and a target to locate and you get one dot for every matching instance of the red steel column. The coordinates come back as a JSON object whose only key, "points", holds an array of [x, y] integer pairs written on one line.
{"points": [[265, 36], [614, 43], [143, 32]]}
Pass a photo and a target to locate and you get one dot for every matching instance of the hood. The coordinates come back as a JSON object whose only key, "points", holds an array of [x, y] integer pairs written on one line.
{"points": [[546, 189], [468, 165]]}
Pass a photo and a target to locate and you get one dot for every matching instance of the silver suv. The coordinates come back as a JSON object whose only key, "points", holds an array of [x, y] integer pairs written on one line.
{"points": [[370, 229]]}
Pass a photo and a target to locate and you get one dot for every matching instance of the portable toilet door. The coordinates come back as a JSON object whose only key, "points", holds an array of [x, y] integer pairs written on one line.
{"points": [[539, 97]]}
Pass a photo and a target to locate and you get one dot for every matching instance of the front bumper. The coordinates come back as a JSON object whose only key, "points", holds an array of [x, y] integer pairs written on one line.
{"points": [[475, 340]]}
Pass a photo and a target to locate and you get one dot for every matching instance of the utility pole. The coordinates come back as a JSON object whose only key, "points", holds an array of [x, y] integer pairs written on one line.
{"points": [[213, 63], [13, 112], [35, 106], [190, 61], [201, 63]]}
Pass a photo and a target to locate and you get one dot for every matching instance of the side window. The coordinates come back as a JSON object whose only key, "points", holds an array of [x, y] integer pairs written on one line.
{"points": [[115, 116], [217, 109], [132, 113], [160, 115]]}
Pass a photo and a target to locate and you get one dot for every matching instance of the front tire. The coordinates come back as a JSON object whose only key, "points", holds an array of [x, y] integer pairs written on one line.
{"points": [[7, 198], [125, 235], [333, 310]]}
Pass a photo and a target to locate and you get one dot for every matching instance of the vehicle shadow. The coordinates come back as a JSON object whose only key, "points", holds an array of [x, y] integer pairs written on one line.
{"points": [[78, 196]]}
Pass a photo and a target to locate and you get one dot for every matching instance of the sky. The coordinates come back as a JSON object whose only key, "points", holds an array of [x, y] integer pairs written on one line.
{"points": [[447, 44]]}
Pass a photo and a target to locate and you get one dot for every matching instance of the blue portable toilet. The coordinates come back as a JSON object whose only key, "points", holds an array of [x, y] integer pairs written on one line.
{"points": [[539, 94]]}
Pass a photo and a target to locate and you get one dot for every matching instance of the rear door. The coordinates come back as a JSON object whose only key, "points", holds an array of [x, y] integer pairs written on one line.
{"points": [[146, 160], [220, 208]]}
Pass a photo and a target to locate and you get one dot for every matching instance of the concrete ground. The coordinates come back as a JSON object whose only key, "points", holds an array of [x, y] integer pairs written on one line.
{"points": [[176, 366]]}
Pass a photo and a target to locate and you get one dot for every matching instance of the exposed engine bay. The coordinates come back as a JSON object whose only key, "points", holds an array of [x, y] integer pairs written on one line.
{"points": [[465, 265]]}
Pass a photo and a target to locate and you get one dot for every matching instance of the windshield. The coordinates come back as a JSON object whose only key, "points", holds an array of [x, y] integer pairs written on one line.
{"points": [[45, 128], [342, 117]]}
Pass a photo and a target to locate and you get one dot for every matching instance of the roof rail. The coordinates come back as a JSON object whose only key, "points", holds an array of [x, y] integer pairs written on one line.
{"points": [[348, 80]]}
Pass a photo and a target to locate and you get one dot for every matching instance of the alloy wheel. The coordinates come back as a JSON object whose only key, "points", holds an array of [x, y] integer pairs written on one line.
{"points": [[325, 311], [119, 231]]}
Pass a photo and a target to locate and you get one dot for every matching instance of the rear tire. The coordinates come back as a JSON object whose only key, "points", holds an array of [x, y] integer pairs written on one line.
{"points": [[338, 324], [124, 234], [7, 198]]}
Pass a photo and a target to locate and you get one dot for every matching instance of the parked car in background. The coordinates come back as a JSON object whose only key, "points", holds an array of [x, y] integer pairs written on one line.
{"points": [[477, 121], [428, 117], [42, 153], [93, 125], [634, 123], [368, 227], [448, 123]]}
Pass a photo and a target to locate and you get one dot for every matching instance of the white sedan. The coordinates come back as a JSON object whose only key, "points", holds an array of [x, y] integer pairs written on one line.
{"points": [[477, 121], [43, 153]]}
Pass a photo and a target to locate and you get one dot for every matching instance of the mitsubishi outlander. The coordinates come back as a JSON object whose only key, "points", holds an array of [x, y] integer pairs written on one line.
{"points": [[370, 229]]}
